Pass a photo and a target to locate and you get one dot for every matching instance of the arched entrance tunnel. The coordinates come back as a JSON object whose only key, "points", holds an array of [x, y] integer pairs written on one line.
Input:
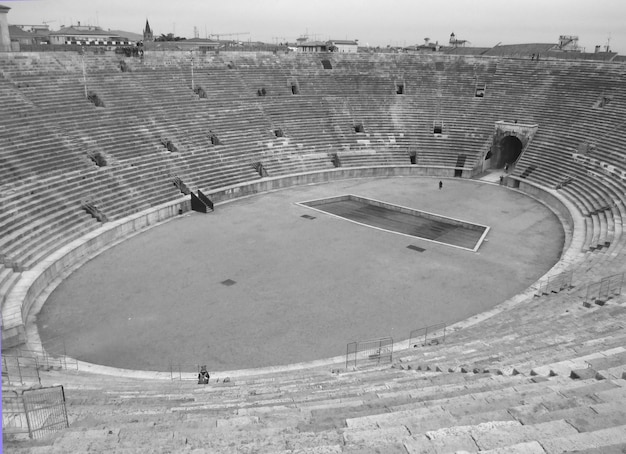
{"points": [[510, 150]]}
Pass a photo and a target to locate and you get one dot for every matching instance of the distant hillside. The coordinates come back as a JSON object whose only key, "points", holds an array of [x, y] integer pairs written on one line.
{"points": [[130, 35]]}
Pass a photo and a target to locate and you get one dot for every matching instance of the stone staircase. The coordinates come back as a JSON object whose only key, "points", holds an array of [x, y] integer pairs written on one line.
{"points": [[378, 409]]}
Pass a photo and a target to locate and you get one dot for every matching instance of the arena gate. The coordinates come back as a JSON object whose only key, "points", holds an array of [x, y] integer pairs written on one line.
{"points": [[36, 412]]}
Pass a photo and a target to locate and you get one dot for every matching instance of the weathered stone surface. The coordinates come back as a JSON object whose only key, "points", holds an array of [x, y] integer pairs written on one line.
{"points": [[500, 437], [586, 440], [376, 437], [422, 444], [531, 447]]}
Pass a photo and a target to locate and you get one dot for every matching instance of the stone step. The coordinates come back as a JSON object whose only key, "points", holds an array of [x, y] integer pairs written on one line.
{"points": [[586, 440], [601, 416], [612, 357], [619, 448], [488, 384], [441, 442], [500, 437], [539, 413], [522, 401], [613, 395], [578, 388], [486, 436], [419, 421], [373, 409], [375, 438], [613, 373], [531, 447]]}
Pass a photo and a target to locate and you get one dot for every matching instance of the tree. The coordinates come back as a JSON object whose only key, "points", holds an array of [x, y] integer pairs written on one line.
{"points": [[169, 37]]}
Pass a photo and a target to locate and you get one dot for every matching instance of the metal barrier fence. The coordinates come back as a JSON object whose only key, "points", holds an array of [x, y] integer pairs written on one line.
{"points": [[182, 372], [51, 355], [36, 412], [605, 289], [20, 370], [48, 361], [555, 284], [54, 355], [370, 351], [430, 335], [14, 422], [45, 410]]}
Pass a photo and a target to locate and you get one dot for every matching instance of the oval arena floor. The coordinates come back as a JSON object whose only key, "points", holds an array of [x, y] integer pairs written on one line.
{"points": [[257, 284]]}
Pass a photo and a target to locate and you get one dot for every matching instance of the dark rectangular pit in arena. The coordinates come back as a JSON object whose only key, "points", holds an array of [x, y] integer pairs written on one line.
{"points": [[402, 220]]}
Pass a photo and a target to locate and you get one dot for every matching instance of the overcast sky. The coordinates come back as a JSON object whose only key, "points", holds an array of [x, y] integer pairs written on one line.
{"points": [[374, 22]]}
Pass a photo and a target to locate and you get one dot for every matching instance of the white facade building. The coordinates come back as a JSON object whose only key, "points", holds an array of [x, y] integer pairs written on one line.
{"points": [[348, 46]]}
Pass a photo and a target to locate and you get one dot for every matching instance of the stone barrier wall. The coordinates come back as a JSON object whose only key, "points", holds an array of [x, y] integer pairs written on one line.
{"points": [[32, 286]]}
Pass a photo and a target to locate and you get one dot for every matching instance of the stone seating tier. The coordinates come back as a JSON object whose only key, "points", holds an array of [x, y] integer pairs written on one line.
{"points": [[375, 408], [127, 132], [500, 384]]}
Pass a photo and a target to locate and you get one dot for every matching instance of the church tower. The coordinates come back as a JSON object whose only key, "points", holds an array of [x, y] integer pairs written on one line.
{"points": [[147, 33]]}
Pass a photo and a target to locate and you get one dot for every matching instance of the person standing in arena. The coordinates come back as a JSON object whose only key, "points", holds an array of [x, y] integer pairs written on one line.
{"points": [[203, 376]]}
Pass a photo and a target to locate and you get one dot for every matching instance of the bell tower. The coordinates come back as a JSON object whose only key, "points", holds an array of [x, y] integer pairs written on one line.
{"points": [[147, 33]]}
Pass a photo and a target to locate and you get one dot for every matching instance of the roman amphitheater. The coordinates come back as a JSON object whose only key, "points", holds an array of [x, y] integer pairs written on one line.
{"points": [[133, 189]]}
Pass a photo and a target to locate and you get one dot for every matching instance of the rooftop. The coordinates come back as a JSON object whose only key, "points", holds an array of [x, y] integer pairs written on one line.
{"points": [[17, 32], [312, 44], [520, 49], [344, 41], [82, 30]]}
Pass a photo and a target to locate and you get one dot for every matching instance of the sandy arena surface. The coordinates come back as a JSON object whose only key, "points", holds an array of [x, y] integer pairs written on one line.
{"points": [[303, 288]]}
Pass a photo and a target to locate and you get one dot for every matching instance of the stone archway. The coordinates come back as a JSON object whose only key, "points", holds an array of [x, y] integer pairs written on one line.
{"points": [[509, 140], [510, 151]]}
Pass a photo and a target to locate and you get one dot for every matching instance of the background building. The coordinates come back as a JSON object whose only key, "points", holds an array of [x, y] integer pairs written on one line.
{"points": [[312, 46], [88, 35], [28, 35], [349, 46]]}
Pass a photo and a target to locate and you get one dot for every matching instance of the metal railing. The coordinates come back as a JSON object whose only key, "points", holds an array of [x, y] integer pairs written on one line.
{"points": [[369, 351], [429, 335], [51, 355], [20, 370], [36, 412], [180, 372], [21, 366], [14, 421], [47, 361], [601, 291], [555, 284]]}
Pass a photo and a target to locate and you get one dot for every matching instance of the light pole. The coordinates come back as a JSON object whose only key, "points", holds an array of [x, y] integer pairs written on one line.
{"points": [[193, 86], [84, 74]]}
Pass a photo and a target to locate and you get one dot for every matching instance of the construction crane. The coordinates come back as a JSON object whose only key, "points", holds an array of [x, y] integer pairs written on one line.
{"points": [[46, 22], [217, 35]]}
